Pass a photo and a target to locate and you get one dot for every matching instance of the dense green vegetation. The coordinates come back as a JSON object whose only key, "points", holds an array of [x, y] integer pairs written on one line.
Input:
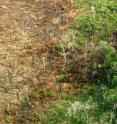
{"points": [[97, 105], [97, 25]]}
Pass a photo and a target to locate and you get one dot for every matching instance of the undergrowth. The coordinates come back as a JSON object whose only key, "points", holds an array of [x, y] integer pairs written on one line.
{"points": [[97, 104]]}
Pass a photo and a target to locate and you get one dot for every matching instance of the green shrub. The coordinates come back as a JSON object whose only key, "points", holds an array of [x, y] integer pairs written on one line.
{"points": [[47, 93], [100, 19], [115, 81], [109, 62], [87, 26], [63, 75], [105, 70], [58, 48], [98, 23]]}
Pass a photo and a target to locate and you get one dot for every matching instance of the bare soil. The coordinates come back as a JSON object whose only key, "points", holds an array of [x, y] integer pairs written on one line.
{"points": [[27, 29]]}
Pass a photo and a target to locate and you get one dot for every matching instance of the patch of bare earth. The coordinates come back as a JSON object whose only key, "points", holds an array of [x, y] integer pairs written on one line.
{"points": [[27, 29]]}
